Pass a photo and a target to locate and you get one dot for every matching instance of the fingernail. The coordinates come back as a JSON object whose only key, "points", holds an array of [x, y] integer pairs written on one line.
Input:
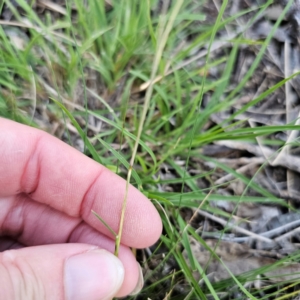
{"points": [[93, 275], [140, 283]]}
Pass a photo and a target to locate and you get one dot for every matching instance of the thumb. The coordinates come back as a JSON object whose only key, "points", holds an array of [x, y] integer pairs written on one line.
{"points": [[64, 272]]}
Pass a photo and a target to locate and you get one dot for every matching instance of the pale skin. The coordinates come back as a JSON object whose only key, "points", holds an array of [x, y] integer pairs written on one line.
{"points": [[47, 192]]}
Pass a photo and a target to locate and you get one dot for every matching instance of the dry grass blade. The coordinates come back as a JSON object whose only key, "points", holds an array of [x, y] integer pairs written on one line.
{"points": [[229, 224], [162, 40], [53, 6]]}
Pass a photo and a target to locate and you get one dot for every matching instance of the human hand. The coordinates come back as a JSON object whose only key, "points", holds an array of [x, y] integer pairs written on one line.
{"points": [[51, 243]]}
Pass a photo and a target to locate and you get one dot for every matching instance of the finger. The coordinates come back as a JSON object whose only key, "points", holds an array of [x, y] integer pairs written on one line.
{"points": [[57, 175], [31, 223], [133, 280], [69, 271], [7, 243]]}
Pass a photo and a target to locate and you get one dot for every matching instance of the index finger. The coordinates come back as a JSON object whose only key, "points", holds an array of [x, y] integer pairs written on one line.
{"points": [[53, 173]]}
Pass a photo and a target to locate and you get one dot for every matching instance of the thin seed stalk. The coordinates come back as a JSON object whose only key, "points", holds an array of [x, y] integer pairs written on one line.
{"points": [[119, 235], [163, 37]]}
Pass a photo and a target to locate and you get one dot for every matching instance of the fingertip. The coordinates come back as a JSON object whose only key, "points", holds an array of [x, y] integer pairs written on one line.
{"points": [[139, 284], [96, 274], [142, 224], [150, 224]]}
